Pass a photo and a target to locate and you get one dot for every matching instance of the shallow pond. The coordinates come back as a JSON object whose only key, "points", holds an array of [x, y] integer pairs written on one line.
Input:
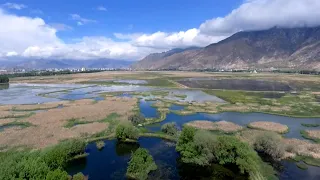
{"points": [[111, 163], [242, 119], [236, 84]]}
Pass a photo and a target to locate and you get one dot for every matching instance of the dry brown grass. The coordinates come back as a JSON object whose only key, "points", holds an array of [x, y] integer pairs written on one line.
{"points": [[49, 128], [10, 114], [269, 126], [314, 133], [224, 126], [29, 107], [6, 121]]}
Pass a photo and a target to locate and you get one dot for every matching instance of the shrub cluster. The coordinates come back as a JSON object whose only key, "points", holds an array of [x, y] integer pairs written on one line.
{"points": [[270, 144], [4, 79], [46, 164], [203, 148], [127, 131], [136, 119], [170, 128], [140, 165]]}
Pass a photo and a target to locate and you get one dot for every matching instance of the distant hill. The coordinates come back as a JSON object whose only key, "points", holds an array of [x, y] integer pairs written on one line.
{"points": [[60, 64], [282, 48]]}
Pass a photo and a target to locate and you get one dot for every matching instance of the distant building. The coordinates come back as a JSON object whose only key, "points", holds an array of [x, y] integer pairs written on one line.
{"points": [[83, 69]]}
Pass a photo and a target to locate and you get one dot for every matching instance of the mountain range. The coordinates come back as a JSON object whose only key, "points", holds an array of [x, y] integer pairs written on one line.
{"points": [[281, 48], [63, 64]]}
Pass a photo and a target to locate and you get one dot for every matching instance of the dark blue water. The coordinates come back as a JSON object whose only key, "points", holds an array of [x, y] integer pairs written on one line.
{"points": [[146, 110], [112, 161]]}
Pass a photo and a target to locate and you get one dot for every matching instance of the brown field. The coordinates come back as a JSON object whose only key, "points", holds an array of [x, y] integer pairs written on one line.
{"points": [[82, 77], [224, 126], [48, 126], [269, 126]]}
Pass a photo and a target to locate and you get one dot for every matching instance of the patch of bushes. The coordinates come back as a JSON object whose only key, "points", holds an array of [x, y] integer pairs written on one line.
{"points": [[45, 164], [79, 176], [270, 144], [58, 156], [127, 131], [203, 148], [57, 174], [140, 165], [310, 125], [137, 119], [170, 128], [73, 122], [4, 79], [100, 145]]}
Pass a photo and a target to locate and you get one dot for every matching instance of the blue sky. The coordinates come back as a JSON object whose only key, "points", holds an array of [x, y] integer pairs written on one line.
{"points": [[126, 16], [131, 29]]}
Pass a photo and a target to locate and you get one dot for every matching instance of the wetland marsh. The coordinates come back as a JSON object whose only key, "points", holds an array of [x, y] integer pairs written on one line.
{"points": [[40, 112]]}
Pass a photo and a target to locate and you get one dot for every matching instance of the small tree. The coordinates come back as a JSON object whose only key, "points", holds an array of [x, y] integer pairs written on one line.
{"points": [[4, 79], [127, 131], [170, 128], [136, 119], [141, 164], [79, 176]]}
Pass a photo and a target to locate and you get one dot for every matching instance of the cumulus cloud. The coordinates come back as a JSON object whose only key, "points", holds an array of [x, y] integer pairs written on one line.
{"points": [[80, 20], [101, 8], [264, 14], [33, 38], [14, 6]]}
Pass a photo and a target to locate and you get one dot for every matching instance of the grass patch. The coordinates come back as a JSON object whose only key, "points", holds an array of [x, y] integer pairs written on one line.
{"points": [[73, 122], [305, 135], [160, 82], [302, 166], [16, 123], [111, 117], [308, 160], [100, 145], [310, 125], [182, 96]]}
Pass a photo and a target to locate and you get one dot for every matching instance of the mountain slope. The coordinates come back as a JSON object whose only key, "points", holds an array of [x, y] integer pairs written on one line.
{"points": [[297, 48]]}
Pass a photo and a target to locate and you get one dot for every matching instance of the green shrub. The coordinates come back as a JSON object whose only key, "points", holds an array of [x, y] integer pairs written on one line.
{"points": [[100, 145], [22, 165], [270, 143], [140, 165], [4, 79], [136, 119], [57, 174], [170, 128], [127, 131], [79, 176], [58, 156]]}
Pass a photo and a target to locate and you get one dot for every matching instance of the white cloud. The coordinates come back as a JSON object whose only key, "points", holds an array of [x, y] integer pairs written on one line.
{"points": [[101, 8], [11, 53], [264, 14], [14, 6], [33, 38], [80, 20]]}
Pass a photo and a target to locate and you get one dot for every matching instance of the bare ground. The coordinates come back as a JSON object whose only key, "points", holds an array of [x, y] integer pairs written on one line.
{"points": [[269, 126], [48, 127]]}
